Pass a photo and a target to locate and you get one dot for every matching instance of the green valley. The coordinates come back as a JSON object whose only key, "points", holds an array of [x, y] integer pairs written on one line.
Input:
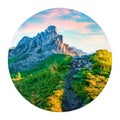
{"points": [[44, 85]]}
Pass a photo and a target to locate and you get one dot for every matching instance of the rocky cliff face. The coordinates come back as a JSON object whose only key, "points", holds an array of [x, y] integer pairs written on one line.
{"points": [[48, 41], [30, 51]]}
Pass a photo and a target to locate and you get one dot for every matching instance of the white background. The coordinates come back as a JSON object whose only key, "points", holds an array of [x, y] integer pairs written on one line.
{"points": [[13, 13]]}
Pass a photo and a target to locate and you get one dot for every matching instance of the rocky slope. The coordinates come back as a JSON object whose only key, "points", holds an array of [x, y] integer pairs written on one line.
{"points": [[30, 51]]}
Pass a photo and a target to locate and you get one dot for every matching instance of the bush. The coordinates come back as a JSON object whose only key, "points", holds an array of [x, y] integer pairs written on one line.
{"points": [[89, 83]]}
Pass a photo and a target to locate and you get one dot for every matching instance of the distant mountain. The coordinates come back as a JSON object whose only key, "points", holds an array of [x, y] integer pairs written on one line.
{"points": [[30, 51]]}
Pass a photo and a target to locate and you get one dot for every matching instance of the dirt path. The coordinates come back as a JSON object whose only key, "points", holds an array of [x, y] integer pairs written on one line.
{"points": [[70, 99]]}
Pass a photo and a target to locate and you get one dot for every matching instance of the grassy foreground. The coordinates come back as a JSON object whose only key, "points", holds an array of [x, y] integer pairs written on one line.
{"points": [[44, 85], [89, 83]]}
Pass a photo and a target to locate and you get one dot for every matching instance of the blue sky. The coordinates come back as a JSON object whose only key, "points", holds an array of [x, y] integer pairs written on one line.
{"points": [[78, 30]]}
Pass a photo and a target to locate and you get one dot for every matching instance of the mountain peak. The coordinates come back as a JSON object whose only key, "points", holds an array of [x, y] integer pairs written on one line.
{"points": [[51, 28], [36, 49]]}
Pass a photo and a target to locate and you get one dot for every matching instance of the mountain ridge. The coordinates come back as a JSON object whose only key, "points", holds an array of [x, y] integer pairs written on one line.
{"points": [[40, 47]]}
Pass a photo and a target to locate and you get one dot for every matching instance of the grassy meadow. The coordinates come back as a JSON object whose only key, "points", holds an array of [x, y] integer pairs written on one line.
{"points": [[44, 85]]}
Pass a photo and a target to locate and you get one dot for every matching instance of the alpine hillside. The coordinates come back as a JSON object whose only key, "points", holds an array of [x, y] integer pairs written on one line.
{"points": [[30, 51], [54, 76]]}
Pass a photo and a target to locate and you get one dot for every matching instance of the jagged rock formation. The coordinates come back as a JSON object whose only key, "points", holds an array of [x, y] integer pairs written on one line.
{"points": [[79, 62], [30, 51]]}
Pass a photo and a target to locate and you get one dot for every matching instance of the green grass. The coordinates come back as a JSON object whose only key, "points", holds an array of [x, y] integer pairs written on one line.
{"points": [[45, 82], [89, 83], [38, 84], [11, 60], [58, 58], [17, 58]]}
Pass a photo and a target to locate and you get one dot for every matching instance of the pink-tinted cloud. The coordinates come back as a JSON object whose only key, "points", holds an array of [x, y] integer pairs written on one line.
{"points": [[54, 13], [72, 25], [30, 27], [52, 18], [56, 17], [60, 24]]}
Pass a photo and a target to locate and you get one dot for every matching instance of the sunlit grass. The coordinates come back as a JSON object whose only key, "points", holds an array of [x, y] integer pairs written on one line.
{"points": [[89, 83], [55, 101], [43, 86]]}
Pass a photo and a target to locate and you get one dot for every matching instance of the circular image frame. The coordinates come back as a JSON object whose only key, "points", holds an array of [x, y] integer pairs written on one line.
{"points": [[59, 60]]}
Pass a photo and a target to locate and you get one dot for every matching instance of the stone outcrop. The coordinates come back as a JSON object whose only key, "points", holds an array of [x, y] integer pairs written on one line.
{"points": [[81, 62], [30, 51], [49, 40]]}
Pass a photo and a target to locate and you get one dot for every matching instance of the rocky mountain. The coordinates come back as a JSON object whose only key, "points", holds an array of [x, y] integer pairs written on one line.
{"points": [[30, 51]]}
